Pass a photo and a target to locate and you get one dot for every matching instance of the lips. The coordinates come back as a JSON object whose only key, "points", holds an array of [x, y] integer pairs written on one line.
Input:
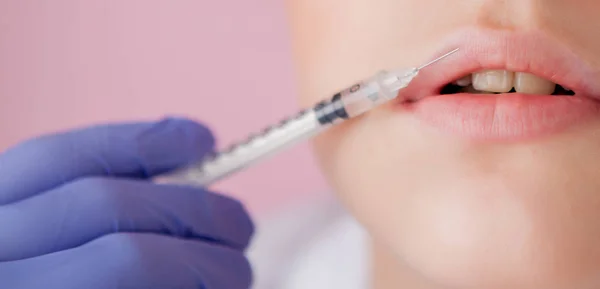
{"points": [[506, 115]]}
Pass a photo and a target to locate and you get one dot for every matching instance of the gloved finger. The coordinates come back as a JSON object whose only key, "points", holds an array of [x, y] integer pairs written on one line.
{"points": [[79, 212], [129, 150], [133, 261]]}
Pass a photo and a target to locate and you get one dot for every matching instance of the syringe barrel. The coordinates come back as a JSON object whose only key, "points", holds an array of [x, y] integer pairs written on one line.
{"points": [[348, 103], [270, 141]]}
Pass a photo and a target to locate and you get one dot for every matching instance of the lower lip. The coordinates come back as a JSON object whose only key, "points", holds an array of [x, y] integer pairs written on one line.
{"points": [[504, 116]]}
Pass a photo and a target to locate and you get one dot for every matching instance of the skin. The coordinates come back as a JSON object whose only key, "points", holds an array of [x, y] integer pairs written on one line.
{"points": [[443, 211]]}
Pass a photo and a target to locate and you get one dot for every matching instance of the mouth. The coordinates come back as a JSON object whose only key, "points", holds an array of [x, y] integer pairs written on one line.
{"points": [[504, 81], [504, 85]]}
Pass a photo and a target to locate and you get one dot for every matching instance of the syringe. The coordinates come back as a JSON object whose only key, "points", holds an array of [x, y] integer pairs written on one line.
{"points": [[349, 103]]}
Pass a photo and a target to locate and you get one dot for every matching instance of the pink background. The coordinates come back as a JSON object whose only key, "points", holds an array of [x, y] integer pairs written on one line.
{"points": [[141, 59]]}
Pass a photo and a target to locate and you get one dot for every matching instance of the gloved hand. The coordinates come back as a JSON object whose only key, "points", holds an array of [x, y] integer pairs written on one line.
{"points": [[77, 211]]}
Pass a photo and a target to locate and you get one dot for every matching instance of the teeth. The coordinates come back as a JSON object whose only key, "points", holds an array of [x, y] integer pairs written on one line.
{"points": [[502, 81], [465, 81], [530, 84], [494, 80], [471, 89]]}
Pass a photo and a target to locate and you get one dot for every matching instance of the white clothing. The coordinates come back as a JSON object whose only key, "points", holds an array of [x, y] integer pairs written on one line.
{"points": [[314, 245]]}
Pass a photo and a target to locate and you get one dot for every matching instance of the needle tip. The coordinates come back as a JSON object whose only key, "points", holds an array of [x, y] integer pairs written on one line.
{"points": [[438, 59]]}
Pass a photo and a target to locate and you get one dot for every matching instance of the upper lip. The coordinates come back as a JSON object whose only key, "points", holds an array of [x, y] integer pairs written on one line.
{"points": [[530, 52]]}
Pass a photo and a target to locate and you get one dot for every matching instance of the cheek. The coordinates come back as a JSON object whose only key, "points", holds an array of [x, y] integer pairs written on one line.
{"points": [[524, 217]]}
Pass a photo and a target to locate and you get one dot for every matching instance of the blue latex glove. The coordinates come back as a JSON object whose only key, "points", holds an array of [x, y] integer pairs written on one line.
{"points": [[77, 211]]}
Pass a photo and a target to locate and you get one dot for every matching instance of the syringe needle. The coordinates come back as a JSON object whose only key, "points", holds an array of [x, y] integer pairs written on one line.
{"points": [[438, 59]]}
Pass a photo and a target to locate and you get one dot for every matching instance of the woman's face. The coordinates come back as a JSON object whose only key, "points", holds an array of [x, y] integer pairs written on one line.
{"points": [[469, 190]]}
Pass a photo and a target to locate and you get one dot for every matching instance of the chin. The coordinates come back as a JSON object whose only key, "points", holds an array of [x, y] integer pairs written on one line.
{"points": [[478, 238], [455, 214], [482, 233]]}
